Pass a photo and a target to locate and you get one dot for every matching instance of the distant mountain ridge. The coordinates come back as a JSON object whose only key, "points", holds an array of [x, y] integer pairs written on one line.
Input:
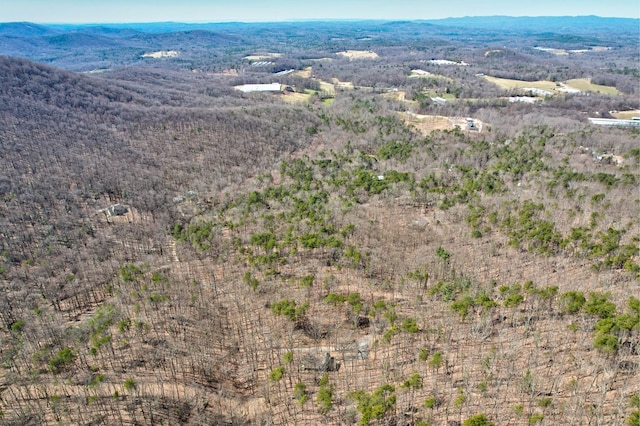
{"points": [[546, 23], [25, 29], [100, 46], [87, 47], [543, 23]]}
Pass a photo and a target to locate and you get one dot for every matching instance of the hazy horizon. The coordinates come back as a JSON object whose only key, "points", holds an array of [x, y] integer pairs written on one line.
{"points": [[202, 11]]}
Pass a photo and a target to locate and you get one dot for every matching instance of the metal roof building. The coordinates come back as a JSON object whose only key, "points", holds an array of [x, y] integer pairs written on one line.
{"points": [[271, 87]]}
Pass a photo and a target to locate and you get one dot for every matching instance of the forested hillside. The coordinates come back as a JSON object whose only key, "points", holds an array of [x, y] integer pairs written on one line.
{"points": [[391, 238]]}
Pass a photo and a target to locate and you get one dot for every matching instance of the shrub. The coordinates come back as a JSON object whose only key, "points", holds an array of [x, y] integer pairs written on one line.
{"points": [[334, 299], [290, 309], [390, 333], [325, 395], [307, 280], [535, 418], [477, 420], [634, 401], [375, 405], [571, 302], [424, 354], [300, 393], [462, 306], [598, 304], [460, 399], [606, 343], [544, 402], [413, 382], [18, 326], [97, 379], [62, 359], [400, 150], [436, 360], [251, 281], [634, 418], [430, 402], [443, 254], [513, 300], [410, 326], [129, 384], [276, 374], [130, 273]]}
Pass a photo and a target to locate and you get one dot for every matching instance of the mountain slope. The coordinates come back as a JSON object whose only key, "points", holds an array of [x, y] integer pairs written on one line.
{"points": [[25, 29], [443, 273], [174, 251], [559, 24]]}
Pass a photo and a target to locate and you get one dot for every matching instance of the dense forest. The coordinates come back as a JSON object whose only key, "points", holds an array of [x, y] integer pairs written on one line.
{"points": [[421, 226]]}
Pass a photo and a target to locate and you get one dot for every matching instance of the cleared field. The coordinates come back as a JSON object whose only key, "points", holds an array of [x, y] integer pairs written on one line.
{"points": [[162, 54], [447, 96], [427, 74], [420, 73], [492, 52], [263, 56], [447, 62], [399, 95], [557, 52], [428, 123], [509, 84], [328, 88], [358, 54], [586, 85], [297, 97], [627, 115], [305, 73], [575, 85], [565, 52], [345, 85]]}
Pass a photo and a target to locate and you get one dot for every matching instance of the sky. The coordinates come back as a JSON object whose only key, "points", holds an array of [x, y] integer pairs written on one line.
{"points": [[127, 11]]}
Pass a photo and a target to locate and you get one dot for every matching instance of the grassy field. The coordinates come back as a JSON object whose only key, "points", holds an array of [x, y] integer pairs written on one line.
{"points": [[327, 87], [305, 97], [509, 84], [399, 95], [627, 115], [428, 123], [447, 96], [358, 54], [305, 73], [342, 84], [585, 85], [582, 84], [296, 97]]}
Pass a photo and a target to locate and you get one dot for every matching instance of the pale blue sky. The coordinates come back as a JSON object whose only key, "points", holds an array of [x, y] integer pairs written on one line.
{"points": [[121, 11]]}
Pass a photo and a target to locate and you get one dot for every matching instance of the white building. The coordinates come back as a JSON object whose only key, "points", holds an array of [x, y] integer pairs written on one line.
{"points": [[249, 88], [537, 92], [614, 122]]}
